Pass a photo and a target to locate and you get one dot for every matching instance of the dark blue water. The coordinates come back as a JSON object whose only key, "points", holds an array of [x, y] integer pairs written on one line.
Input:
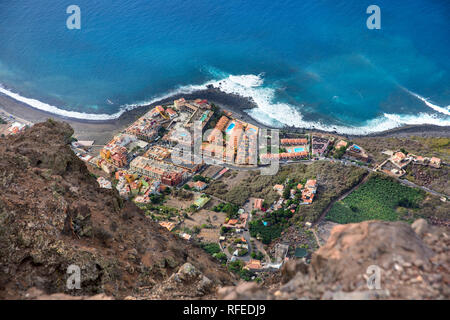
{"points": [[306, 63]]}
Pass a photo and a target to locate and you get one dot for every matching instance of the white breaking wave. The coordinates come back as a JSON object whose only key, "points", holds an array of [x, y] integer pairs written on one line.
{"points": [[267, 112], [279, 114], [61, 112], [94, 116], [431, 105]]}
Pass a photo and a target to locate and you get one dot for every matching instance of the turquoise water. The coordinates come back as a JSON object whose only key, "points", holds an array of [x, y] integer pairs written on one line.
{"points": [[305, 63], [204, 116], [291, 150], [229, 128]]}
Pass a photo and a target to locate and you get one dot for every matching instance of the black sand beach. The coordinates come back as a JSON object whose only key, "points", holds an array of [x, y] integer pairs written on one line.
{"points": [[102, 130]]}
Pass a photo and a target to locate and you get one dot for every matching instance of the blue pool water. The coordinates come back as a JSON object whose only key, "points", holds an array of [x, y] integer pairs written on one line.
{"points": [[305, 63], [299, 149], [230, 127]]}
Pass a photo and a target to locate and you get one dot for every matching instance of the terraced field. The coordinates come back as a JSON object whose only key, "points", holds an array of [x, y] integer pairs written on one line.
{"points": [[381, 198]]}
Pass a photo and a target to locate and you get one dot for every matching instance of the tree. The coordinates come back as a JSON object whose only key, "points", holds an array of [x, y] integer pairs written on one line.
{"points": [[287, 192], [242, 252], [235, 266], [211, 248], [246, 274], [339, 153], [200, 178], [222, 257]]}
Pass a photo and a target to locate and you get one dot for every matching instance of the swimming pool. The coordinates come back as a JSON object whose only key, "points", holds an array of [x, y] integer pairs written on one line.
{"points": [[297, 149], [230, 127], [204, 116]]}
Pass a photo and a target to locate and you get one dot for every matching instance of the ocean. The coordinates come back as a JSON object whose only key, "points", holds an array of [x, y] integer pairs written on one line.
{"points": [[305, 63]]}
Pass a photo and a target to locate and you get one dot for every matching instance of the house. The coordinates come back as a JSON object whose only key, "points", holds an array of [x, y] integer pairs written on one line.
{"points": [[355, 151], [159, 109], [142, 199], [400, 160], [168, 225], [180, 102], [199, 185], [299, 186], [435, 162], [253, 265], [294, 141], [258, 204], [398, 157], [119, 156], [293, 192], [185, 236], [104, 183], [105, 166], [309, 192], [223, 121], [16, 127], [340, 144], [307, 196], [311, 184], [279, 188], [167, 173], [171, 113], [419, 160]]}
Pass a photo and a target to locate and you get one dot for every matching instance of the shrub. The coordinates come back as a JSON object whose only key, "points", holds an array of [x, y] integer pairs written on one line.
{"points": [[211, 248], [242, 252]]}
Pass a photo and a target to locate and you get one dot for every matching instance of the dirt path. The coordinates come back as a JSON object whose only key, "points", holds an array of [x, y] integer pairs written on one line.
{"points": [[316, 237]]}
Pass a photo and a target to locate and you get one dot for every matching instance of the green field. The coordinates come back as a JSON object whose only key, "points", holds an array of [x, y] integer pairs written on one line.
{"points": [[379, 199]]}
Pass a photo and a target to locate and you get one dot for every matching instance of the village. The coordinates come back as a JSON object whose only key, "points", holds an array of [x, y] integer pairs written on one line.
{"points": [[10, 125], [147, 164]]}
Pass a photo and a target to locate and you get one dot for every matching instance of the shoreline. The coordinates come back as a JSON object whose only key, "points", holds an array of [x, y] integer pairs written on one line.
{"points": [[102, 130]]}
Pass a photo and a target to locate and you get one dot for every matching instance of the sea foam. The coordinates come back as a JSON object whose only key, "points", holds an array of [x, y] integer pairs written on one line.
{"points": [[268, 111]]}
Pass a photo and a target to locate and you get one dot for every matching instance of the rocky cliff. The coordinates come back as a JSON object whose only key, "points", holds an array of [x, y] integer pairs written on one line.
{"points": [[53, 214], [412, 262]]}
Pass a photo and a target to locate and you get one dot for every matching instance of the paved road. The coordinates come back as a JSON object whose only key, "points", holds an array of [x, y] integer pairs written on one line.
{"points": [[411, 184]]}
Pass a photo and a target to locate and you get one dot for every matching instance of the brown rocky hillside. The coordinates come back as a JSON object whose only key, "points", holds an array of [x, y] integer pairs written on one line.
{"points": [[413, 262], [54, 214]]}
